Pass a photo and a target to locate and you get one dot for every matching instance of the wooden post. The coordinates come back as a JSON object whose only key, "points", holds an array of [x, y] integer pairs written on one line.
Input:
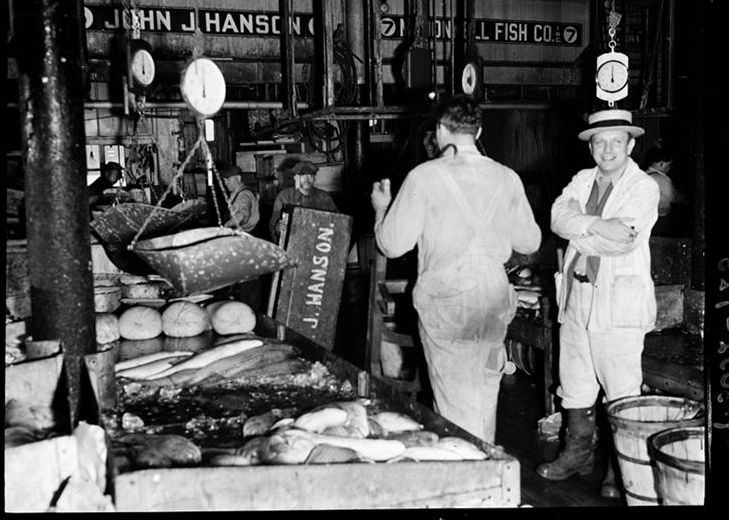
{"points": [[51, 84]]}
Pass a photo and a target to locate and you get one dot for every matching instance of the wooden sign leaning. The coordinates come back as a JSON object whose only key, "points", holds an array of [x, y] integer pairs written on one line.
{"points": [[306, 298]]}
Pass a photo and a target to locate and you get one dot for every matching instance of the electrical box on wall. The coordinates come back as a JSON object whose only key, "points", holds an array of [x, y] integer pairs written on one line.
{"points": [[417, 67]]}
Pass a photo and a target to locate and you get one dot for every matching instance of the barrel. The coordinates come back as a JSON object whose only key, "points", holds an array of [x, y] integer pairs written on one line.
{"points": [[633, 420], [679, 458]]}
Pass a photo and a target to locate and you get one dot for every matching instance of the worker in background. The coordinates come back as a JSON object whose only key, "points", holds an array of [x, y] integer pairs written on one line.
{"points": [[111, 173], [605, 291], [430, 143], [658, 162], [466, 213], [302, 193], [242, 201]]}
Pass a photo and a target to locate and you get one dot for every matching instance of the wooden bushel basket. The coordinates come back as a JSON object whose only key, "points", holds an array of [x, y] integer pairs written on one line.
{"points": [[206, 259], [633, 420], [679, 460]]}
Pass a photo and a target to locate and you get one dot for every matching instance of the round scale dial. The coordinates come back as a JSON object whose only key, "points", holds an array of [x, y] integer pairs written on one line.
{"points": [[469, 78], [203, 87], [612, 76], [143, 67]]}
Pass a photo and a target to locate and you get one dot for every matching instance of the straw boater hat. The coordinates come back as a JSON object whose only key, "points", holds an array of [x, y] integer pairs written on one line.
{"points": [[610, 120]]}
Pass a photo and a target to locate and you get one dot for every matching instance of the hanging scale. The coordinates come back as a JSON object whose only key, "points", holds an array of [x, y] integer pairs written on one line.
{"points": [[611, 76]]}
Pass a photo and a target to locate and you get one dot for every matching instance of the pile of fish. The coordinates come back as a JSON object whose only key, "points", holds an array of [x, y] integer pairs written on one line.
{"points": [[338, 432], [201, 409], [345, 431], [233, 358]]}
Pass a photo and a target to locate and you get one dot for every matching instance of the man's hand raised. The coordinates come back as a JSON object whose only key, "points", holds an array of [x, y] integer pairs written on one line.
{"points": [[381, 196]]}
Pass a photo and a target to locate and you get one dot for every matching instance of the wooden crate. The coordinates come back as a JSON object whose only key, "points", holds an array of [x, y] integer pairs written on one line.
{"points": [[332, 486], [34, 471], [487, 483]]}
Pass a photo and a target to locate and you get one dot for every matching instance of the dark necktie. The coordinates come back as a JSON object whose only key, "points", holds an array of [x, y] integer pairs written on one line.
{"points": [[594, 207]]}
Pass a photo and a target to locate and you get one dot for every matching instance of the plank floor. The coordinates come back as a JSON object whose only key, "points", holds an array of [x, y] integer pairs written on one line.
{"points": [[520, 408]]}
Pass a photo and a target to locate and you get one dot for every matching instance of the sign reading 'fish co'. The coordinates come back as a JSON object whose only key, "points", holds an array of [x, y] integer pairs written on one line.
{"points": [[267, 23]]}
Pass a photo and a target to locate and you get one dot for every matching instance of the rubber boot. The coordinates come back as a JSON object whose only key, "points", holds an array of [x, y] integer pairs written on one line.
{"points": [[578, 455]]}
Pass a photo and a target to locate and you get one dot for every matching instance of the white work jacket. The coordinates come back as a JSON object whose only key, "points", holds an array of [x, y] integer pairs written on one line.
{"points": [[624, 295]]}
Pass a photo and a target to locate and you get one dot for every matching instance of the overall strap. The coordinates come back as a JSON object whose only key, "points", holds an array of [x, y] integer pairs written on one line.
{"points": [[470, 215]]}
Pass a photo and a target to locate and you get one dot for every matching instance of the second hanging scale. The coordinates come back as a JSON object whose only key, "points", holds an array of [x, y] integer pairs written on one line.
{"points": [[204, 259], [611, 68]]}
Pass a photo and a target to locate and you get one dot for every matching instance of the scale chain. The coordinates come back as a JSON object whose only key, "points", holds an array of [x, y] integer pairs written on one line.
{"points": [[178, 174]]}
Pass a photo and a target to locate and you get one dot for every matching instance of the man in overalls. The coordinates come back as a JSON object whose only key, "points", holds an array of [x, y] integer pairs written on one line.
{"points": [[466, 213], [605, 292]]}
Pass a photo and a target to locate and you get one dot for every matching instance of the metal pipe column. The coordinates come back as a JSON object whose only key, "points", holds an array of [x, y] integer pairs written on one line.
{"points": [[288, 58], [356, 40], [324, 52], [51, 87]]}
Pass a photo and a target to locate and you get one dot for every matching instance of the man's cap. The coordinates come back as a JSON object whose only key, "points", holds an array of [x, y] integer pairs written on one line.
{"points": [[304, 168], [111, 165], [230, 171], [613, 119]]}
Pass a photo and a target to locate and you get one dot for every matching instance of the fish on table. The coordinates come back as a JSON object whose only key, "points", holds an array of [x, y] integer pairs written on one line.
{"points": [[149, 358], [249, 454], [158, 451], [373, 449], [328, 454], [150, 369], [263, 423], [321, 418], [394, 422], [206, 357], [288, 447], [466, 449], [343, 418], [415, 438]]}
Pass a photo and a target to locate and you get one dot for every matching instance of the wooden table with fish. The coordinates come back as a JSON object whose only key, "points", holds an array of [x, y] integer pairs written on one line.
{"points": [[352, 441]]}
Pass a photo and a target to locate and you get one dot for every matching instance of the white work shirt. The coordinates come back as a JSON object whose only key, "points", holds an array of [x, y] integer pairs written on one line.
{"points": [[425, 212]]}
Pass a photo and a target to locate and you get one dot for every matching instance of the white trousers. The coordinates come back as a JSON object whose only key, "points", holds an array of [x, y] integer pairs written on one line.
{"points": [[590, 360], [465, 377]]}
